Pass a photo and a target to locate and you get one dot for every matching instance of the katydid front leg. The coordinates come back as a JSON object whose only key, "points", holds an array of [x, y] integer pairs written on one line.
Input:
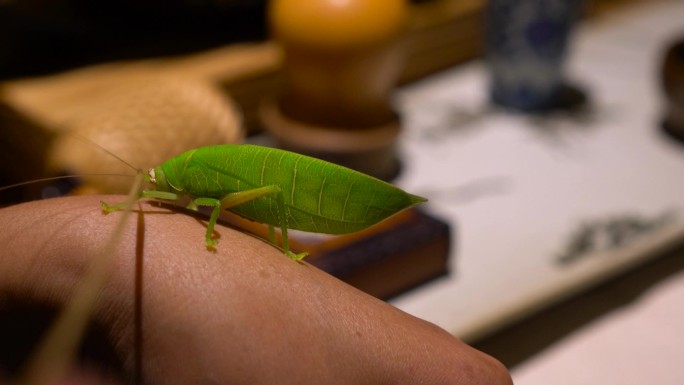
{"points": [[226, 202], [152, 194]]}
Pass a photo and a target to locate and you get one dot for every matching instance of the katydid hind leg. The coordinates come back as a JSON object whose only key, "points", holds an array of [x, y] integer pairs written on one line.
{"points": [[238, 198]]}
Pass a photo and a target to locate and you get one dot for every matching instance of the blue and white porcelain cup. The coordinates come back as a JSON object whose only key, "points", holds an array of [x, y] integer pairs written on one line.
{"points": [[527, 43]]}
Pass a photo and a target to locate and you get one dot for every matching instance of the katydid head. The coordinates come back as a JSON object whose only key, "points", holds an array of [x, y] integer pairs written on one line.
{"points": [[157, 177], [165, 177]]}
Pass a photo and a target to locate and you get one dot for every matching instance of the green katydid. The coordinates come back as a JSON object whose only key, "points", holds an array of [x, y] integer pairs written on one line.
{"points": [[275, 187]]}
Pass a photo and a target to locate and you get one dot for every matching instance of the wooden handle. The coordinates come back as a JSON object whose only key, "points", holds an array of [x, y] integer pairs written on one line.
{"points": [[341, 59]]}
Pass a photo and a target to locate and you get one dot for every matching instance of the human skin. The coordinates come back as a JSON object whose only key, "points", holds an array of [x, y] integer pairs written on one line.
{"points": [[242, 314]]}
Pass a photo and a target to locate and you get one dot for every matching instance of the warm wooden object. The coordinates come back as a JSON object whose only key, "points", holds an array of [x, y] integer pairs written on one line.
{"points": [[341, 61], [385, 260], [143, 111]]}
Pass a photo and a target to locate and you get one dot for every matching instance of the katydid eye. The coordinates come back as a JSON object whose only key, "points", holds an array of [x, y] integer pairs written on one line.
{"points": [[153, 177]]}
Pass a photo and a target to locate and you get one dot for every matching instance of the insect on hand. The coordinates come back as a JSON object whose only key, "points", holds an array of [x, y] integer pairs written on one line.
{"points": [[276, 187]]}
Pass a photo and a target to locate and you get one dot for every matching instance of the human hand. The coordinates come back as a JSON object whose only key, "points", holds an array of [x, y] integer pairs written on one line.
{"points": [[175, 313]]}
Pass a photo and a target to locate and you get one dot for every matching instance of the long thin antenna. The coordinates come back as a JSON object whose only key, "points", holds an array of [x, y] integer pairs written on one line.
{"points": [[92, 142], [51, 361], [89, 142], [51, 178]]}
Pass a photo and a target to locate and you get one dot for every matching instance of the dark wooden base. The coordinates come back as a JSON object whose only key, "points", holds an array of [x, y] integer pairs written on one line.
{"points": [[673, 131], [385, 260]]}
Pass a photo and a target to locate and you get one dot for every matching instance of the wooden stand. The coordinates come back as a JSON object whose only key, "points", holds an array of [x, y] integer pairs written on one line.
{"points": [[370, 150]]}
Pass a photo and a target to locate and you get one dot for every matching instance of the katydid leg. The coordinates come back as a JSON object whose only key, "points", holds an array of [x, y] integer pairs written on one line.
{"points": [[238, 198], [164, 195], [215, 204], [227, 201]]}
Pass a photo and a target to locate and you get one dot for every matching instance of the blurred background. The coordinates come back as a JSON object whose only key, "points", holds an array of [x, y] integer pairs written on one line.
{"points": [[43, 37], [548, 136]]}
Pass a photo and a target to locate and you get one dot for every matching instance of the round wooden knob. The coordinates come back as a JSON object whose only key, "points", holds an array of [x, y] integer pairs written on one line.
{"points": [[342, 57], [337, 24]]}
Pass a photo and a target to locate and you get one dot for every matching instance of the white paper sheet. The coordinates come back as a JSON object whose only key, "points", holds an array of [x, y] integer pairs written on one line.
{"points": [[520, 190], [642, 344]]}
